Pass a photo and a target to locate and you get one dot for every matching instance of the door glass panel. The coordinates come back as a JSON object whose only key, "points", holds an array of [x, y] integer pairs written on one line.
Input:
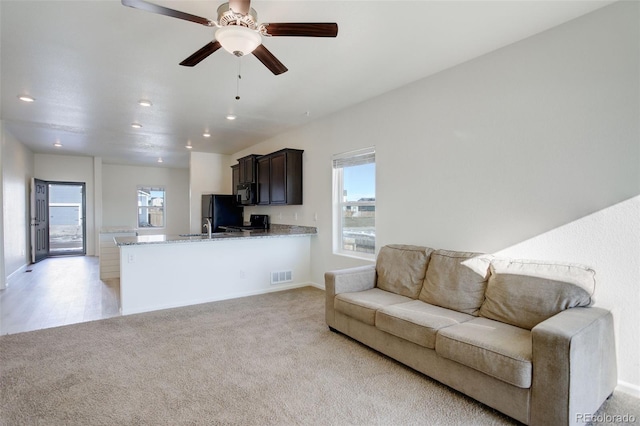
{"points": [[66, 219]]}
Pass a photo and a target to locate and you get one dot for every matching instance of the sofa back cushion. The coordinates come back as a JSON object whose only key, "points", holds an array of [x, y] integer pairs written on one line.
{"points": [[400, 268], [525, 292], [456, 280]]}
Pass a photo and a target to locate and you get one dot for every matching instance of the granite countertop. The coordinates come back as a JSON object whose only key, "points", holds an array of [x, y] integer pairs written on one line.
{"points": [[275, 231]]}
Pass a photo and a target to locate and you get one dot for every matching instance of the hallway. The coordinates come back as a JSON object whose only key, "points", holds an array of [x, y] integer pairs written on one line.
{"points": [[57, 291]]}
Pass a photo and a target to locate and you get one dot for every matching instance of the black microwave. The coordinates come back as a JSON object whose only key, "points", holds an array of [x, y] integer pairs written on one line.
{"points": [[246, 194]]}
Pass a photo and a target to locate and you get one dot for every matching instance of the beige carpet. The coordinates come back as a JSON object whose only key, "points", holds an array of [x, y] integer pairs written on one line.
{"points": [[260, 360]]}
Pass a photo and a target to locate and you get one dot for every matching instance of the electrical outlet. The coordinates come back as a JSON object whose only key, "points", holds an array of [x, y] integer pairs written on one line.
{"points": [[131, 258], [243, 275]]}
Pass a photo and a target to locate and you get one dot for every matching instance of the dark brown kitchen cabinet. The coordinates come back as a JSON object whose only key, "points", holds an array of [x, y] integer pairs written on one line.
{"points": [[280, 177], [264, 180], [247, 168], [235, 177]]}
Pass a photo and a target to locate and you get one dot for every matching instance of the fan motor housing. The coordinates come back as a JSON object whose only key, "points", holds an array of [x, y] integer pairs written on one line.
{"points": [[226, 16]]}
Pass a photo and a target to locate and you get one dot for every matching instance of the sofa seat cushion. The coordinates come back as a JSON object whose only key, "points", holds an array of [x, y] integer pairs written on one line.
{"points": [[500, 350], [400, 268], [362, 305], [456, 280], [417, 322], [526, 292]]}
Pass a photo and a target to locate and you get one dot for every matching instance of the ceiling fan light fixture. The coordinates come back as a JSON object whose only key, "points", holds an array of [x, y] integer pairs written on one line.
{"points": [[238, 40]]}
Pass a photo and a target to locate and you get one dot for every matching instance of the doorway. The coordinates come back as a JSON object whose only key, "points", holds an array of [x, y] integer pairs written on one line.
{"points": [[58, 211]]}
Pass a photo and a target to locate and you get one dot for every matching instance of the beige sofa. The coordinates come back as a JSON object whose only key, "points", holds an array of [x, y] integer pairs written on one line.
{"points": [[519, 336]]}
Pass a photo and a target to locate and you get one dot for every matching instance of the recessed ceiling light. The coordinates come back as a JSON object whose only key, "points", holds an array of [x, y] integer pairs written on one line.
{"points": [[26, 98], [160, 160], [188, 145], [57, 144], [206, 134], [231, 117], [145, 102], [136, 125]]}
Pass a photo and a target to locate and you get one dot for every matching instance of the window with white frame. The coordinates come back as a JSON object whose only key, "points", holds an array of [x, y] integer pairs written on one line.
{"points": [[354, 203], [151, 203]]}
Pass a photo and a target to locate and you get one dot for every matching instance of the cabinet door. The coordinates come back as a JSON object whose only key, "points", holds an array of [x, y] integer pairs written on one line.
{"points": [[241, 173], [249, 166], [294, 177], [278, 178], [247, 169], [264, 170], [235, 177]]}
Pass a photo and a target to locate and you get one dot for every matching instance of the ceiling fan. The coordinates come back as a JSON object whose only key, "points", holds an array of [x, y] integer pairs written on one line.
{"points": [[239, 33]]}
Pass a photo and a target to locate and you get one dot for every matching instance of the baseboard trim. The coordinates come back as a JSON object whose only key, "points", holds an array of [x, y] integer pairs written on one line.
{"points": [[12, 275], [238, 295], [318, 286], [628, 388]]}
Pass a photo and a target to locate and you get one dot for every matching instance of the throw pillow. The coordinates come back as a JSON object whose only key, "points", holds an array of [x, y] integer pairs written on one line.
{"points": [[524, 293]]}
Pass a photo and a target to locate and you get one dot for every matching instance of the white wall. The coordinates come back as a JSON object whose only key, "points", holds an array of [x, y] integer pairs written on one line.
{"points": [[17, 171], [97, 199], [3, 280], [119, 196], [70, 168], [494, 151], [209, 174]]}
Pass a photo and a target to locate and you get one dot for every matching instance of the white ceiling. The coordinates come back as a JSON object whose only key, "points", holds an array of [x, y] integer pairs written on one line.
{"points": [[88, 63]]}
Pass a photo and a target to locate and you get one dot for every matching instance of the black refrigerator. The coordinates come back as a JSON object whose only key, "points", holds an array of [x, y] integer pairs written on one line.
{"points": [[222, 210]]}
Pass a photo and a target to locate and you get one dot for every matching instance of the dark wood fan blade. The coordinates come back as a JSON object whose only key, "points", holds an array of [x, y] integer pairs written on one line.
{"points": [[201, 54], [269, 61], [240, 6], [154, 8], [310, 29]]}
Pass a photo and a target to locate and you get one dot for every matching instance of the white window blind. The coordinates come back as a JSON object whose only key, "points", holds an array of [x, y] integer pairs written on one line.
{"points": [[354, 203], [357, 158]]}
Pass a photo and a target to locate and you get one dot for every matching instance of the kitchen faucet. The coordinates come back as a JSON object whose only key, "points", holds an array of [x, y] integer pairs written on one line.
{"points": [[208, 226]]}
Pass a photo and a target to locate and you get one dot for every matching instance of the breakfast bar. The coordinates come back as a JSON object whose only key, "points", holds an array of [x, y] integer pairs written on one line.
{"points": [[167, 271]]}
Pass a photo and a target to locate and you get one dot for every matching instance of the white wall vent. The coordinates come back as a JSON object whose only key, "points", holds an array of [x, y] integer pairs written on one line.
{"points": [[281, 277]]}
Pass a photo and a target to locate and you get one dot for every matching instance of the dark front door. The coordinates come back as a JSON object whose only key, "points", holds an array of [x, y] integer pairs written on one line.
{"points": [[40, 220]]}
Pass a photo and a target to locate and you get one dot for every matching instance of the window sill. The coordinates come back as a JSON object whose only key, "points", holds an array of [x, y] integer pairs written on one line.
{"points": [[355, 255]]}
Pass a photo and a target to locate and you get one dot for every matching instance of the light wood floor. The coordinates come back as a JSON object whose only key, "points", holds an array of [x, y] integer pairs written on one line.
{"points": [[57, 291]]}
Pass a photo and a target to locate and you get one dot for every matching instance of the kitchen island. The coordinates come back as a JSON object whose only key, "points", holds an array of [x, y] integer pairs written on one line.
{"points": [[166, 271]]}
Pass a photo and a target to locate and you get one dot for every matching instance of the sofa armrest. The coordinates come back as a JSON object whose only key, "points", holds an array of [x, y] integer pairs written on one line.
{"points": [[574, 366], [345, 281], [353, 279]]}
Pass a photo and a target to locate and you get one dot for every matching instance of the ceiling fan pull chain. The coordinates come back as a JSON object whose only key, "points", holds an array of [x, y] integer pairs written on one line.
{"points": [[238, 80]]}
